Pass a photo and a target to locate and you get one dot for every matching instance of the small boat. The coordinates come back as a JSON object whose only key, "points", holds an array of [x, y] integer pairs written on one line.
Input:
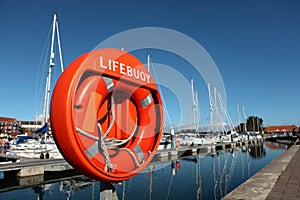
{"points": [[190, 139], [224, 139], [164, 143], [210, 140], [198, 141], [30, 147]]}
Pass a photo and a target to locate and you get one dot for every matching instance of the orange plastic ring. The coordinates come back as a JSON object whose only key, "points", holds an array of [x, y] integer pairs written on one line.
{"points": [[106, 115]]}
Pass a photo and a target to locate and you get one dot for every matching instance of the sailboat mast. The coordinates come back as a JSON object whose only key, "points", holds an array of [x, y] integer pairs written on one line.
{"points": [[222, 114], [238, 110], [193, 93], [51, 64], [253, 125], [216, 118], [196, 110], [210, 108], [148, 62], [245, 121], [194, 107]]}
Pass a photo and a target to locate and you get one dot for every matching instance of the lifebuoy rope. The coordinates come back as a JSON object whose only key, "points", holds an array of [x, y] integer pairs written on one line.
{"points": [[103, 143], [111, 106]]}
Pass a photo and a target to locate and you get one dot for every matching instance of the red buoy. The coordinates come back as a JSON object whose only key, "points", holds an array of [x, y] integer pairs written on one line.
{"points": [[106, 115]]}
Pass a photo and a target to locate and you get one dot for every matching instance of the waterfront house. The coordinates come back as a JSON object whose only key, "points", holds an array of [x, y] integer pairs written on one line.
{"points": [[287, 130], [8, 126], [11, 127]]}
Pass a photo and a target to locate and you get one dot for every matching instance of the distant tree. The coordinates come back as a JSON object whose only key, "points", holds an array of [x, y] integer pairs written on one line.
{"points": [[254, 123], [242, 127]]}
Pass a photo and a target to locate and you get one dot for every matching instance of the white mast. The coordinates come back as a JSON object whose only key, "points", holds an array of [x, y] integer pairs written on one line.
{"points": [[148, 62], [193, 92], [210, 109], [238, 110], [194, 106], [253, 125], [197, 111], [221, 114], [216, 117], [244, 118], [51, 64]]}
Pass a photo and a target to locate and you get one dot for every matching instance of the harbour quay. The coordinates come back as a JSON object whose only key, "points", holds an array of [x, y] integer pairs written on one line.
{"points": [[280, 179], [187, 162], [25, 167], [184, 151]]}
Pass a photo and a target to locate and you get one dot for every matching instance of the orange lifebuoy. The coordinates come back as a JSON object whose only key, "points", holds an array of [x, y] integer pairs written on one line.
{"points": [[106, 115]]}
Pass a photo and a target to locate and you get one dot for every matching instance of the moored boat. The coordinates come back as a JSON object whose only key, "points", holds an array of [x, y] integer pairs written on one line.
{"points": [[43, 146], [30, 147]]}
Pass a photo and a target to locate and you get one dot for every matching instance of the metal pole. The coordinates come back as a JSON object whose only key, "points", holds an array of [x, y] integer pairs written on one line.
{"points": [[107, 191], [51, 64]]}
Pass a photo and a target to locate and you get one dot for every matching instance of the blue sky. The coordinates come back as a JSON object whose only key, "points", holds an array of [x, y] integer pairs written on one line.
{"points": [[255, 45]]}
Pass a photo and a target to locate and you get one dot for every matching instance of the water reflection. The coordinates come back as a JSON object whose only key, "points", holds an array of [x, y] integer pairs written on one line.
{"points": [[210, 176], [204, 176], [257, 151]]}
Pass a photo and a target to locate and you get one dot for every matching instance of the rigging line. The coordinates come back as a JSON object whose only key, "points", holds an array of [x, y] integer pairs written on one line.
{"points": [[40, 81], [224, 113], [41, 65], [227, 115], [59, 47], [161, 94]]}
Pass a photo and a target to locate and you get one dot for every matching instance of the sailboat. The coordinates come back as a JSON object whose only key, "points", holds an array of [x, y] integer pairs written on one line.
{"points": [[44, 147], [225, 132], [192, 138], [196, 139]]}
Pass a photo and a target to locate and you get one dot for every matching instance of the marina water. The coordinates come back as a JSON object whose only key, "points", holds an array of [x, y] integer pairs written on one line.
{"points": [[202, 176]]}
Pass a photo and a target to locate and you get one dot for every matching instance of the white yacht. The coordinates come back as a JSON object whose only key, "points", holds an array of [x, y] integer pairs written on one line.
{"points": [[29, 147]]}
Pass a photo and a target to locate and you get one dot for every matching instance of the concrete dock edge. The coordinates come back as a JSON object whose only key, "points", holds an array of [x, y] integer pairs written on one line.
{"points": [[260, 184]]}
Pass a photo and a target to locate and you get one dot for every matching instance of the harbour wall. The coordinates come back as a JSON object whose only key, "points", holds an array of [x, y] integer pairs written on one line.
{"points": [[260, 185]]}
